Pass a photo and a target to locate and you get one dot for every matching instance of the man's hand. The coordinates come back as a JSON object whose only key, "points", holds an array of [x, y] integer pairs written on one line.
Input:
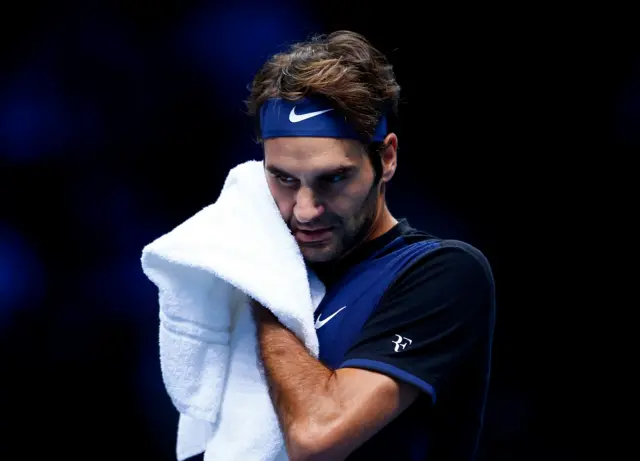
{"points": [[324, 415]]}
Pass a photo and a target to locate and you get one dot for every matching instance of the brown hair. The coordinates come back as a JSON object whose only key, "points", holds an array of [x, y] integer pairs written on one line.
{"points": [[343, 67]]}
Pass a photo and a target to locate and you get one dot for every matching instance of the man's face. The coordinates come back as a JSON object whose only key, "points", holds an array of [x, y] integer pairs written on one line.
{"points": [[324, 190]]}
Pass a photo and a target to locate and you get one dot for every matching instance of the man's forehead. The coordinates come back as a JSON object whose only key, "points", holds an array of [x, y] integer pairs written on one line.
{"points": [[312, 153]]}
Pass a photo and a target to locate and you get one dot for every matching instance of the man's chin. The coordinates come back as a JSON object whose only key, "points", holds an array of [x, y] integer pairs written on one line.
{"points": [[318, 253]]}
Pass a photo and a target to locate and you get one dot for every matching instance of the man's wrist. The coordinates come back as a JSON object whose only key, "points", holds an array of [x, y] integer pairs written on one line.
{"points": [[261, 314]]}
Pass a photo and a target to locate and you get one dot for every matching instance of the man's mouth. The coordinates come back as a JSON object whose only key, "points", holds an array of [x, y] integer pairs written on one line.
{"points": [[313, 235]]}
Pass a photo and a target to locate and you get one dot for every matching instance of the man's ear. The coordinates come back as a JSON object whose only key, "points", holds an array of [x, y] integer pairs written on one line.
{"points": [[389, 157]]}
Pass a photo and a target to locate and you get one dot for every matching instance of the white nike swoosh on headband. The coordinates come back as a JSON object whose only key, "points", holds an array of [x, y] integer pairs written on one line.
{"points": [[295, 118]]}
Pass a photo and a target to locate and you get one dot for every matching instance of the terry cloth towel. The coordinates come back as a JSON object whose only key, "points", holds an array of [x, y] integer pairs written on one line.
{"points": [[206, 270]]}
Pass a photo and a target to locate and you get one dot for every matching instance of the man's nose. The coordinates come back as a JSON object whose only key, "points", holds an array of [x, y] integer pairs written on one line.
{"points": [[306, 208]]}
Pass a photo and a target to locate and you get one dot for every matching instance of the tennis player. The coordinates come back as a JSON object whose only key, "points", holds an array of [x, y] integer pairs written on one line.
{"points": [[406, 326]]}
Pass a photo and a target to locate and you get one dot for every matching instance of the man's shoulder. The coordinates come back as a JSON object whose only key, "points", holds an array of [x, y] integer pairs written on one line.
{"points": [[438, 260], [460, 254], [455, 254]]}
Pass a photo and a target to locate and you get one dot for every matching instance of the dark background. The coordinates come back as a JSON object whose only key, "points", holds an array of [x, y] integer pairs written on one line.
{"points": [[120, 119]]}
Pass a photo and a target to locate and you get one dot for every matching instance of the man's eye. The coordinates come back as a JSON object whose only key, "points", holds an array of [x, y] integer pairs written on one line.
{"points": [[286, 180], [335, 178]]}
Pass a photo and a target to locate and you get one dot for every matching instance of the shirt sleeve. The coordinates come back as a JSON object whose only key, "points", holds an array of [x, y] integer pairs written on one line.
{"points": [[429, 321]]}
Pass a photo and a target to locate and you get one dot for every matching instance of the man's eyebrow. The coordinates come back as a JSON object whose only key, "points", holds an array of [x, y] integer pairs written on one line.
{"points": [[277, 171], [342, 169]]}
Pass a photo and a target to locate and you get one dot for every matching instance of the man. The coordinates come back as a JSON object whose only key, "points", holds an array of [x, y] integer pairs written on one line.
{"points": [[406, 326]]}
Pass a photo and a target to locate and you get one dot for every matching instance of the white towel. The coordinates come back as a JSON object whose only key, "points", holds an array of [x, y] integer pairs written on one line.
{"points": [[206, 270]]}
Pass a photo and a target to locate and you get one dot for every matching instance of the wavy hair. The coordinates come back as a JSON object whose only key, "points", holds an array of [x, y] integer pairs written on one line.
{"points": [[343, 67]]}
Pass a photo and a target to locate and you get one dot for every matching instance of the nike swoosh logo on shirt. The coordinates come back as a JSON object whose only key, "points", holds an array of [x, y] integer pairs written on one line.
{"points": [[295, 118], [321, 323]]}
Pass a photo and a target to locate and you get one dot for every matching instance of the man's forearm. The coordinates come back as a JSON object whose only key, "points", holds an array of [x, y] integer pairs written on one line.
{"points": [[300, 385]]}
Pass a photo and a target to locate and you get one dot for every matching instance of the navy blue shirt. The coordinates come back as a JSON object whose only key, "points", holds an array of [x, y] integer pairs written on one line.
{"points": [[420, 310]]}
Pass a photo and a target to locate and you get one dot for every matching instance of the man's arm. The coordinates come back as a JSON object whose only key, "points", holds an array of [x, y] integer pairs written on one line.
{"points": [[442, 303], [324, 414]]}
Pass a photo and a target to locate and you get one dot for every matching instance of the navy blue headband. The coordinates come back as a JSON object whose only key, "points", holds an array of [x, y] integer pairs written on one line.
{"points": [[309, 117]]}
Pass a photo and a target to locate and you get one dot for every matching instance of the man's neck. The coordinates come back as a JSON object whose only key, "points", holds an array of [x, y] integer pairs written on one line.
{"points": [[383, 223]]}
